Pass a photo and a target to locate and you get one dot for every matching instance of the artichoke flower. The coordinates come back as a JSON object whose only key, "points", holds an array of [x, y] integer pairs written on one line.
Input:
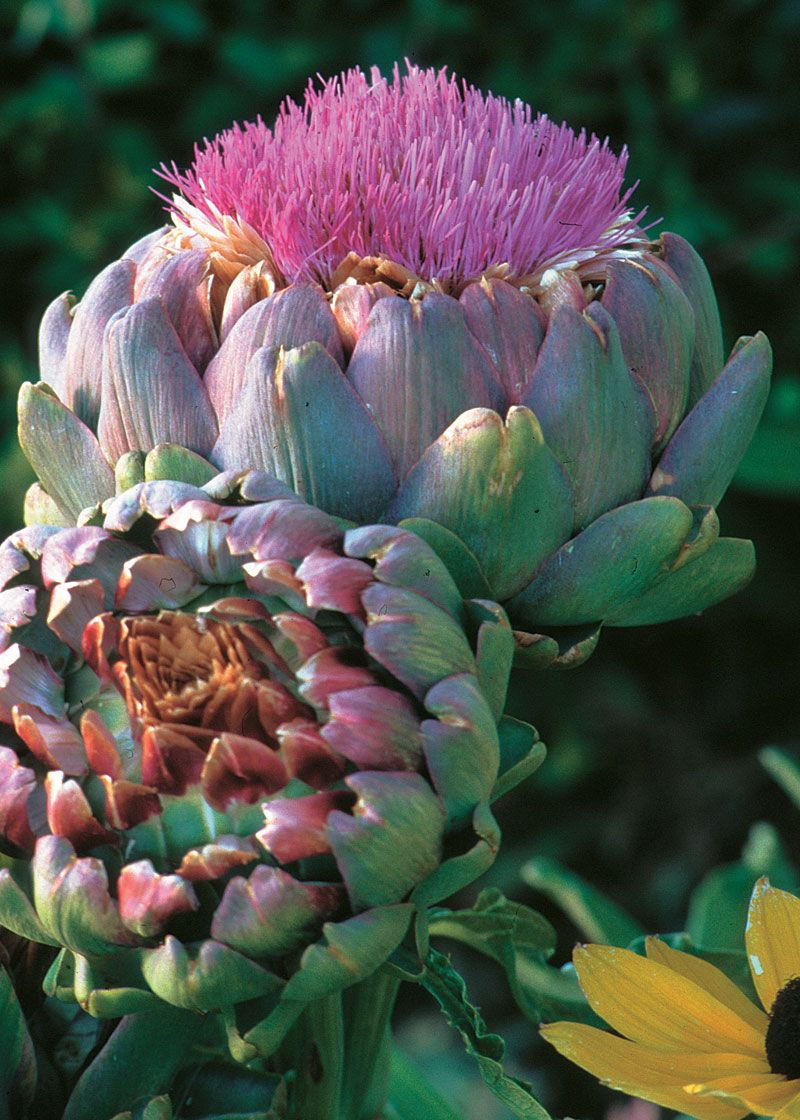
{"points": [[243, 748], [414, 303]]}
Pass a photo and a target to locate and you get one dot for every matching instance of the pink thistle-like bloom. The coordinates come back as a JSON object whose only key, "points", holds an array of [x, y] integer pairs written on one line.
{"points": [[422, 170]]}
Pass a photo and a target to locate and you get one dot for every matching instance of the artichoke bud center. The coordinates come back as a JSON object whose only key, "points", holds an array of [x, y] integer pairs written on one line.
{"points": [[783, 1033], [198, 675]]}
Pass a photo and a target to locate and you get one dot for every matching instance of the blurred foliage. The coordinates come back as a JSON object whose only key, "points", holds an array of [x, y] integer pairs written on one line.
{"points": [[652, 778]]}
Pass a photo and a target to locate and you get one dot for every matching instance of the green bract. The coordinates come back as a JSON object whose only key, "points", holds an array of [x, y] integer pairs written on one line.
{"points": [[561, 447]]}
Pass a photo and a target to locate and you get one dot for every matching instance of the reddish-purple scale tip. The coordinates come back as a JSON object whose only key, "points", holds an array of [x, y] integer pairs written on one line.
{"points": [[422, 170]]}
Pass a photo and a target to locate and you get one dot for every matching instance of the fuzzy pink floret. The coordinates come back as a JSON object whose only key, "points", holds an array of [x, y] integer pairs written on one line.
{"points": [[421, 169]]}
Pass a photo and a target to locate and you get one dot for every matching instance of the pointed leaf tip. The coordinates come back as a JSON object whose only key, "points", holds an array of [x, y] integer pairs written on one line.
{"points": [[701, 458]]}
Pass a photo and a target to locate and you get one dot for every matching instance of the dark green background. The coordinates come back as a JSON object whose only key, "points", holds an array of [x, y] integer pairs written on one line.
{"points": [[652, 777]]}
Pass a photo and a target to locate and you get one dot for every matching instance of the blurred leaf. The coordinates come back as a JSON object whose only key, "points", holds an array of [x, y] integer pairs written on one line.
{"points": [[596, 916], [179, 20], [718, 907], [772, 462], [411, 1096], [785, 769], [555, 992], [119, 61]]}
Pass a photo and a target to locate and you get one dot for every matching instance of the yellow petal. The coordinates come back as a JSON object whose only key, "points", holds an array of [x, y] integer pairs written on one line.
{"points": [[716, 983], [772, 938], [655, 1006], [791, 1111], [763, 1095], [649, 1074]]}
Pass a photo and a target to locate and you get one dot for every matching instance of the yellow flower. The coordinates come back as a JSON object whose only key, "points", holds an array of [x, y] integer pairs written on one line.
{"points": [[691, 1040]]}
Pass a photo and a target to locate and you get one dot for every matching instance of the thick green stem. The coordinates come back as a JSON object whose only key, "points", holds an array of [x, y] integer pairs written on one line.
{"points": [[318, 1042], [340, 1051], [368, 1013]]}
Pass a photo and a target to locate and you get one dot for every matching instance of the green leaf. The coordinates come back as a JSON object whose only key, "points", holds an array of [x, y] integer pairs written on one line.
{"points": [[148, 1048], [299, 418], [502, 930], [785, 769], [129, 470], [561, 648], [220, 1091], [411, 1097], [615, 560], [78, 474], [494, 651], [112, 998], [597, 419], [352, 950], [693, 275], [413, 639], [117, 62], [212, 976], [499, 488], [722, 571], [521, 753], [555, 992], [451, 550], [461, 745], [266, 1036], [718, 907], [40, 509], [459, 871], [159, 1108], [177, 464], [596, 917], [488, 1050], [392, 842], [724, 419], [496, 924], [765, 854], [17, 912], [17, 1058]]}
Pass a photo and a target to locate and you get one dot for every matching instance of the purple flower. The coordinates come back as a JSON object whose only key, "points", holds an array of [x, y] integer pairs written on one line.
{"points": [[421, 171]]}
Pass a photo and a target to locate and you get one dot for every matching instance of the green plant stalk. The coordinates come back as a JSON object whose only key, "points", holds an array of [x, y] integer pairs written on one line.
{"points": [[316, 1046], [368, 1045], [340, 1052]]}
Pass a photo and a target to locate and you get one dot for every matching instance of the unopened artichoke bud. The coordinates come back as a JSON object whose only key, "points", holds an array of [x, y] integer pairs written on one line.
{"points": [[239, 742], [414, 303]]}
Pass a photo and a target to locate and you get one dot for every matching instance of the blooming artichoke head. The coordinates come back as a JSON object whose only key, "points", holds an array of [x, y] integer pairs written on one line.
{"points": [[239, 744], [412, 302]]}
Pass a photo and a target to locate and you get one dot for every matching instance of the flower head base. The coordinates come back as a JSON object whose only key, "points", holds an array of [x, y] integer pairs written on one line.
{"points": [[691, 1040], [207, 770], [421, 171]]}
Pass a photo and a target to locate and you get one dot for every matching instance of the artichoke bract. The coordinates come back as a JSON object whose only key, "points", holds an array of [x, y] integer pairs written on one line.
{"points": [[243, 747], [414, 303]]}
